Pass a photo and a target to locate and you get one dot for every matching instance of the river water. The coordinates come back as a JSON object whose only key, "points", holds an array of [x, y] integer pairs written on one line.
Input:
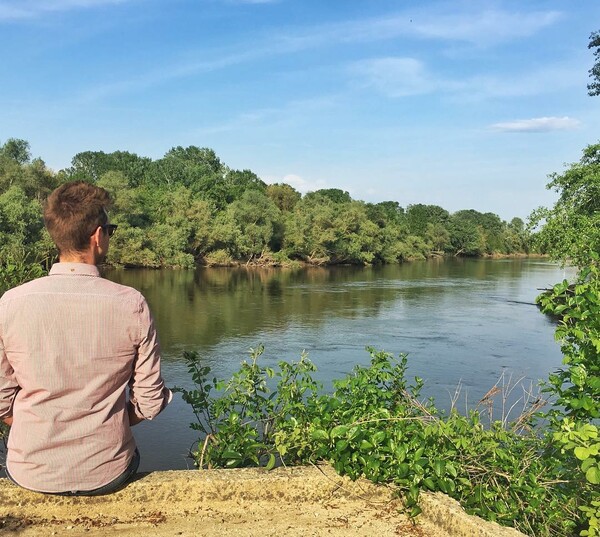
{"points": [[461, 321]]}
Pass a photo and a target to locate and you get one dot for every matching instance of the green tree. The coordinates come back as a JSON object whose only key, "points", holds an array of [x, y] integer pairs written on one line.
{"points": [[356, 235], [594, 86], [571, 229], [466, 233], [419, 215], [16, 150], [246, 228], [438, 237], [284, 196], [310, 230], [336, 195], [237, 182], [21, 225]]}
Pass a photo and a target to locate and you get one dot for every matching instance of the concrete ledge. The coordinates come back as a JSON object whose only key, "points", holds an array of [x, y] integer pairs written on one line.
{"points": [[291, 501]]}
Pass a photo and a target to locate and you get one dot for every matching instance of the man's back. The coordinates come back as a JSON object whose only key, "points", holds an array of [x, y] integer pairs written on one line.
{"points": [[70, 344]]}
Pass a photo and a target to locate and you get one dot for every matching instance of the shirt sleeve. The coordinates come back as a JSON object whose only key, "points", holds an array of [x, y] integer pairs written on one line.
{"points": [[8, 384], [147, 391]]}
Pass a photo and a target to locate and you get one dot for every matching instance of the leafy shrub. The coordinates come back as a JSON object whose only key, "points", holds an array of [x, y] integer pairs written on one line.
{"points": [[374, 425], [219, 258], [576, 387], [248, 423]]}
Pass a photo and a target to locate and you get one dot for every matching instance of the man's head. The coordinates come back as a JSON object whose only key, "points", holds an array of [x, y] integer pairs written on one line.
{"points": [[73, 214]]}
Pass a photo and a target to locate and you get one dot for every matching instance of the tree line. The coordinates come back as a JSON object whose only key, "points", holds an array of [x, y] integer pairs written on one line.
{"points": [[189, 208]]}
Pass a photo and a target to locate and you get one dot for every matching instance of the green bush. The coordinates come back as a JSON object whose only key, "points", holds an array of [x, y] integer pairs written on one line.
{"points": [[374, 425]]}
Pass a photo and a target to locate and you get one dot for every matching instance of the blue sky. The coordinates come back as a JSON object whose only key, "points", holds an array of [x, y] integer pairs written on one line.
{"points": [[464, 104]]}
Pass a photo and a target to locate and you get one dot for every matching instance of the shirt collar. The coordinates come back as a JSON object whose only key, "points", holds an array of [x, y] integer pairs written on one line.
{"points": [[80, 269]]}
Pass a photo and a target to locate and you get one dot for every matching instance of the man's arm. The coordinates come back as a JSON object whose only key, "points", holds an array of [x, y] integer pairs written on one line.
{"points": [[8, 386], [147, 392]]}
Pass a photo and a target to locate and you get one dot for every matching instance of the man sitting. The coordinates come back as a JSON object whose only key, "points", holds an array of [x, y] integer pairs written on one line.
{"points": [[73, 347]]}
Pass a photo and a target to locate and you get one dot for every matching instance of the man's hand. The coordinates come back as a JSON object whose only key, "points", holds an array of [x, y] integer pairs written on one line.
{"points": [[134, 419], [7, 421]]}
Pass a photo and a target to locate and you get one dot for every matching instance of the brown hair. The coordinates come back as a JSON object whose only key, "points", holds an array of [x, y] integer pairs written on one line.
{"points": [[72, 214]]}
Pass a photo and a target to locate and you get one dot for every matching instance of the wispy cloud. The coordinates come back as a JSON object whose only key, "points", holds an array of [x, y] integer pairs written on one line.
{"points": [[538, 124], [400, 77], [278, 119], [394, 77], [483, 27], [301, 184], [24, 9]]}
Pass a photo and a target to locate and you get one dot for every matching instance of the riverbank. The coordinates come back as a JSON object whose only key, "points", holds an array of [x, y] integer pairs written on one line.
{"points": [[271, 261], [302, 501]]}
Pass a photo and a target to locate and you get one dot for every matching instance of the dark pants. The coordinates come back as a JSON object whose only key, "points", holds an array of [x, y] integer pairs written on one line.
{"points": [[116, 484]]}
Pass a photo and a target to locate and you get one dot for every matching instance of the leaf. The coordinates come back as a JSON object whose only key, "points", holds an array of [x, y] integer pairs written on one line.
{"points": [[338, 431], [429, 483], [451, 469], [365, 445], [319, 434], [582, 453], [231, 455], [341, 445], [271, 464], [403, 470], [415, 511], [439, 467], [593, 475], [378, 437]]}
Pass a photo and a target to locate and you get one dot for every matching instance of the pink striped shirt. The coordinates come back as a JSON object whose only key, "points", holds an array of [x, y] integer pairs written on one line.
{"points": [[71, 344]]}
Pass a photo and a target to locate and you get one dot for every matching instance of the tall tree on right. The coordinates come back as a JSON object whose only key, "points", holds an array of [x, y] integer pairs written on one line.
{"points": [[594, 86]]}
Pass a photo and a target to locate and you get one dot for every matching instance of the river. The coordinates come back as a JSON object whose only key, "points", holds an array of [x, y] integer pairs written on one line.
{"points": [[461, 321]]}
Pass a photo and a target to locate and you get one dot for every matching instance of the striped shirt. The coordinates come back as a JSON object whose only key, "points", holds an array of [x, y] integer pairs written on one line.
{"points": [[72, 344]]}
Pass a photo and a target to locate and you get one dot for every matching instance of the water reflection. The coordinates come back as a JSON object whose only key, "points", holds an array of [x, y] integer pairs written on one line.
{"points": [[199, 309]]}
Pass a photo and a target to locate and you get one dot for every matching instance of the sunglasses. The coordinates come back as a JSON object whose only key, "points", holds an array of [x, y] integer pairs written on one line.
{"points": [[109, 229]]}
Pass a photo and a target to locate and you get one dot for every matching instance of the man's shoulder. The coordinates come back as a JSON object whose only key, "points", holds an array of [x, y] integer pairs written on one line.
{"points": [[94, 286], [24, 288], [119, 290]]}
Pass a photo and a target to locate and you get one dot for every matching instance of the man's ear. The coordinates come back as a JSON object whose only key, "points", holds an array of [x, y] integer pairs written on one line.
{"points": [[96, 237]]}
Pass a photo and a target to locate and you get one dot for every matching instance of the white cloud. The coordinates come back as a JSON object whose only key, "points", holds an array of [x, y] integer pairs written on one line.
{"points": [[23, 9], [395, 77], [299, 183], [538, 124], [401, 77], [484, 27]]}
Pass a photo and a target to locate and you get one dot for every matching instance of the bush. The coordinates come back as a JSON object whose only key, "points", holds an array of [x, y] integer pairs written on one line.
{"points": [[374, 425]]}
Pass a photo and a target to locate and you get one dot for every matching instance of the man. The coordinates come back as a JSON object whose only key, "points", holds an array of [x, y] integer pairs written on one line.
{"points": [[72, 344]]}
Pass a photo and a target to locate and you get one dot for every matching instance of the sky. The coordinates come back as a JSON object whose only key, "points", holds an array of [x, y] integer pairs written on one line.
{"points": [[463, 104]]}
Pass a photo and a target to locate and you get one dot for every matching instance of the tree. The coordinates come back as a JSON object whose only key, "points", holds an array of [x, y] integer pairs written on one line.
{"points": [[571, 229], [466, 233], [284, 196], [336, 195], [419, 215], [17, 150], [237, 182], [246, 228], [594, 86]]}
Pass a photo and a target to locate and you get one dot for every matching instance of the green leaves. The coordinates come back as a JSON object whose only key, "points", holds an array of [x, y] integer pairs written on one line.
{"points": [[374, 425]]}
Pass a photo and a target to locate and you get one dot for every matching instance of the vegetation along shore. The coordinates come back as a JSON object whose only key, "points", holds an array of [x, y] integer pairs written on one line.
{"points": [[189, 208]]}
